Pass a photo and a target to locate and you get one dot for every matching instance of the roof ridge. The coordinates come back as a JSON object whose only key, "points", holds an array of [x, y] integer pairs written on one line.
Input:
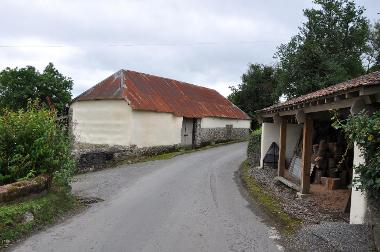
{"points": [[97, 85], [155, 93], [170, 79]]}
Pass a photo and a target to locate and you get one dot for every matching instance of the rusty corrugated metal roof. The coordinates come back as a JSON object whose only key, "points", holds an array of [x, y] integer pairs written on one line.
{"points": [[364, 80], [148, 92]]}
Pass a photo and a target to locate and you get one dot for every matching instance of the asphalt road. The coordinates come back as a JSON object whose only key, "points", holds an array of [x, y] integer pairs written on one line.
{"points": [[189, 203]]}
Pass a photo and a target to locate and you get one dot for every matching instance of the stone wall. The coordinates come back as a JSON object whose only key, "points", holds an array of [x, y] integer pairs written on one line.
{"points": [[23, 188], [197, 131], [90, 157], [373, 218], [215, 135]]}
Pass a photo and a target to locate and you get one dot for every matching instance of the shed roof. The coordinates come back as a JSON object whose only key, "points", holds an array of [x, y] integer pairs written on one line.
{"points": [[153, 93], [367, 80]]}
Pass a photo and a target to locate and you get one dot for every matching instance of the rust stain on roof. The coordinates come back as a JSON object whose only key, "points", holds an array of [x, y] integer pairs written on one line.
{"points": [[153, 93], [361, 81]]}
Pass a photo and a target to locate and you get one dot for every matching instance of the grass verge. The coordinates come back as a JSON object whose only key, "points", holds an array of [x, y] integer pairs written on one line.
{"points": [[271, 205], [169, 155], [18, 219]]}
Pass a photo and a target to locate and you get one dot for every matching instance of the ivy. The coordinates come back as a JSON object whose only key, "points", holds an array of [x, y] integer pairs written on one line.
{"points": [[364, 130]]}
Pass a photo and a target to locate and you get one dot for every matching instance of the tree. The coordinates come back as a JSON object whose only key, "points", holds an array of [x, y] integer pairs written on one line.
{"points": [[18, 85], [373, 57], [256, 90], [327, 50]]}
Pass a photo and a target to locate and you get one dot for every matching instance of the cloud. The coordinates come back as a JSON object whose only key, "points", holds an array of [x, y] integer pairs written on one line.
{"points": [[202, 42]]}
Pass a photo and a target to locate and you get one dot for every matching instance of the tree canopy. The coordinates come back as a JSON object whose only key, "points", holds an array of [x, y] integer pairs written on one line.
{"points": [[256, 90], [336, 43], [374, 48], [327, 50], [18, 85]]}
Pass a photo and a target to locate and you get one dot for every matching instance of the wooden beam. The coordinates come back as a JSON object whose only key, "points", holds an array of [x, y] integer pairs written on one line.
{"points": [[282, 148], [370, 90], [306, 154], [300, 116], [352, 94]]}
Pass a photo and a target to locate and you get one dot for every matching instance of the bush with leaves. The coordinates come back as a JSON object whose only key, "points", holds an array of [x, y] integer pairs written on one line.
{"points": [[32, 143], [364, 130]]}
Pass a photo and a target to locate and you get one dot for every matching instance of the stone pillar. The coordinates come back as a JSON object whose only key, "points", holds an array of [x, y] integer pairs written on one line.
{"points": [[71, 125], [197, 132]]}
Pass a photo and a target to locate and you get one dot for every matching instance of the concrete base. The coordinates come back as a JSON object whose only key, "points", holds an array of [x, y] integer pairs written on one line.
{"points": [[302, 195], [287, 183]]}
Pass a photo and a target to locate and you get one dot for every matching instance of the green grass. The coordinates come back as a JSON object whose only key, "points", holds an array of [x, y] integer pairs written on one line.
{"points": [[270, 204], [169, 155], [164, 155], [45, 209]]}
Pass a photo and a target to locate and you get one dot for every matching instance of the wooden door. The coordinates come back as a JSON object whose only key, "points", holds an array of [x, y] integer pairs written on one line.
{"points": [[187, 132]]}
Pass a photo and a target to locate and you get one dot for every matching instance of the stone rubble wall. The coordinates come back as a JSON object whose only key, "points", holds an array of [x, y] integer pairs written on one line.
{"points": [[23, 188], [91, 157], [197, 132], [215, 135], [373, 219]]}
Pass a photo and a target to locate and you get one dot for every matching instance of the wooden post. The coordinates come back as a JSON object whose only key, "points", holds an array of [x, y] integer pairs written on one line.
{"points": [[306, 154], [282, 150]]}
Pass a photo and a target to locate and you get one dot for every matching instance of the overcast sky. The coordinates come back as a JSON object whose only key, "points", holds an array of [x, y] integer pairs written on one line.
{"points": [[209, 43]]}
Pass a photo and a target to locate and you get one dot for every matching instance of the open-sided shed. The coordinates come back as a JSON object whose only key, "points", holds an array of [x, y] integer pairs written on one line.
{"points": [[310, 150]]}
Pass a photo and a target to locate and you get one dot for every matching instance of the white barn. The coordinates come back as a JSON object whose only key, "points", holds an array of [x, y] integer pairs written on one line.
{"points": [[150, 112]]}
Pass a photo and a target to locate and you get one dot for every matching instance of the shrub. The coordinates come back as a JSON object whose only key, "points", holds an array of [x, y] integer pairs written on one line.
{"points": [[254, 148], [32, 143], [364, 129]]}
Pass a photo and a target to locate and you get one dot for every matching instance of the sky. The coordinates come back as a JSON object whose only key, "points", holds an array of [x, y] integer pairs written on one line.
{"points": [[208, 43]]}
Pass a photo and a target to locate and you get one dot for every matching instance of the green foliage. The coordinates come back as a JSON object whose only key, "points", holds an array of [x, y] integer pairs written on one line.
{"points": [[373, 57], [18, 85], [364, 129], [45, 209], [32, 143], [256, 90], [327, 50]]}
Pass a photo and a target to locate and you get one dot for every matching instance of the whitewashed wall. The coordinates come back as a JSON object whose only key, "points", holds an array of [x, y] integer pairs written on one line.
{"points": [[113, 122], [216, 122], [358, 199], [152, 129], [270, 132]]}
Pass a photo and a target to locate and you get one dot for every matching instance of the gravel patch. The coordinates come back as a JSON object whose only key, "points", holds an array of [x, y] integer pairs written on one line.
{"points": [[323, 229], [334, 236], [306, 209]]}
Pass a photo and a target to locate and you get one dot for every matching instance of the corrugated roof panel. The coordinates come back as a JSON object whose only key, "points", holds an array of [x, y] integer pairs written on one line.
{"points": [[153, 93]]}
